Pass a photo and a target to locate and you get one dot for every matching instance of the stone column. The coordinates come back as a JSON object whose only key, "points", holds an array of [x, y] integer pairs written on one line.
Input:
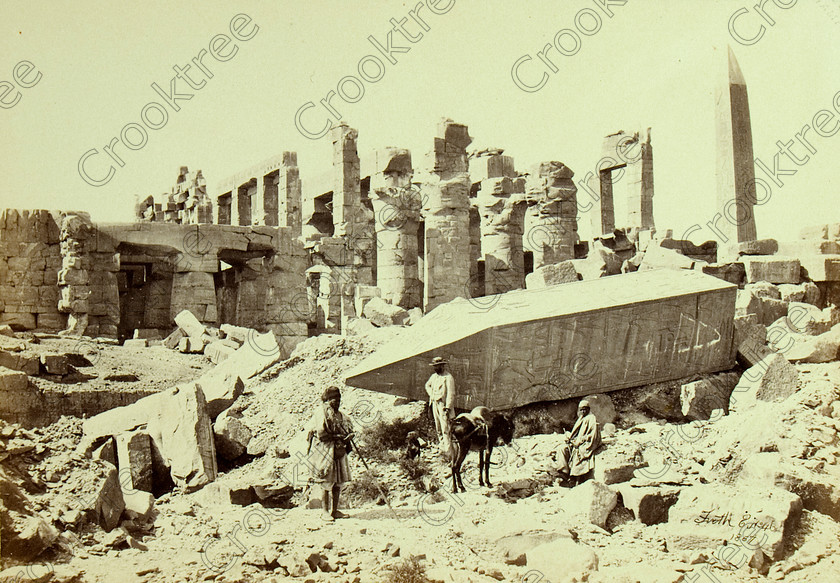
{"points": [[289, 194], [735, 171], [351, 220], [640, 185], [73, 279], [551, 223], [502, 223], [396, 210], [258, 210], [446, 214]]}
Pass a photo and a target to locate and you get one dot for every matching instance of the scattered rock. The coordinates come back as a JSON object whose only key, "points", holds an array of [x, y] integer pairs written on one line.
{"points": [[231, 435], [649, 504], [563, 272], [592, 501], [563, 560], [772, 379], [700, 398], [191, 326]]}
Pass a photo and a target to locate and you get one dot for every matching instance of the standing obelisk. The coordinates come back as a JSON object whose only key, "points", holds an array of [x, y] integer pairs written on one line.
{"points": [[735, 170]]}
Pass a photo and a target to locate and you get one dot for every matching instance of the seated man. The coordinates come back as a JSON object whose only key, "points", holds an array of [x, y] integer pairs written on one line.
{"points": [[578, 449]]}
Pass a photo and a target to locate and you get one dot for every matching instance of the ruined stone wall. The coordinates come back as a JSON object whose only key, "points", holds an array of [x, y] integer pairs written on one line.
{"points": [[30, 259]]}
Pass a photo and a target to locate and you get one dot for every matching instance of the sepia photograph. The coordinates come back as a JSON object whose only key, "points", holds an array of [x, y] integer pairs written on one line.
{"points": [[438, 291]]}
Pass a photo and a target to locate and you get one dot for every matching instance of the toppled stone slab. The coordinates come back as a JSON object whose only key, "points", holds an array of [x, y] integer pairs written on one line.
{"points": [[359, 327], [808, 319], [382, 313], [821, 267], [772, 379], [231, 435], [773, 269], [237, 333], [556, 273], [592, 501], [707, 515], [191, 326], [106, 452], [504, 371], [649, 504]]}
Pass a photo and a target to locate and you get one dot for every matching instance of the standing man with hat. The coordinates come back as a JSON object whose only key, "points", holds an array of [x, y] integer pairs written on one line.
{"points": [[578, 449], [441, 390], [330, 433]]}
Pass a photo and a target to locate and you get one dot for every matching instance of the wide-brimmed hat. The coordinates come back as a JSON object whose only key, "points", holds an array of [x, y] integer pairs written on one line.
{"points": [[438, 360]]}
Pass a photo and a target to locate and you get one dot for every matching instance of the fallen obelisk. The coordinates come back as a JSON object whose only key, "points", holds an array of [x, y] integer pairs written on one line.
{"points": [[563, 341]]}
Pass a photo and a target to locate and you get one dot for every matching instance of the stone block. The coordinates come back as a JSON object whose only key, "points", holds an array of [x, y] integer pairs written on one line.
{"points": [[772, 379], [700, 398], [731, 272], [616, 462], [808, 319], [173, 340], [553, 274], [221, 389], [809, 247], [106, 452], [806, 292], [136, 343], [134, 455], [773, 269], [592, 501], [138, 505], [817, 491], [181, 430], [821, 267], [766, 309], [55, 364], [12, 380], [108, 501], [381, 313], [187, 322], [822, 348], [649, 504], [359, 327], [24, 540], [601, 405], [231, 435], [218, 351], [29, 364], [18, 320], [658, 257], [707, 515], [190, 345]]}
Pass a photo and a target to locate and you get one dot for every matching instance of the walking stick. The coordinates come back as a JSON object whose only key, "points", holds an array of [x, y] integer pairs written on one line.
{"points": [[375, 481]]}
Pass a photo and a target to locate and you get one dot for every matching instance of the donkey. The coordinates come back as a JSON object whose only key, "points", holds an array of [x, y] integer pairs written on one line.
{"points": [[481, 430]]}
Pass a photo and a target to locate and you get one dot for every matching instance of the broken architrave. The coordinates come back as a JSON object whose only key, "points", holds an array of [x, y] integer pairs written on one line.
{"points": [[564, 341]]}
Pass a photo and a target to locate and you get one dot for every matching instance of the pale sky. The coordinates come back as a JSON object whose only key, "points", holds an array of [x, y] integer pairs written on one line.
{"points": [[654, 63]]}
